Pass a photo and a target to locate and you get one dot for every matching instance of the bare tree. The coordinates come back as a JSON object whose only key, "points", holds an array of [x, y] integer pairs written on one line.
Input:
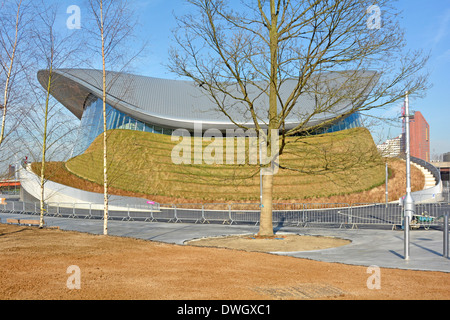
{"points": [[12, 31], [246, 59], [113, 26], [46, 122]]}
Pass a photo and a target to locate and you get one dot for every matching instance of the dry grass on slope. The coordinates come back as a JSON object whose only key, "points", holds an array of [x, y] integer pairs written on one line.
{"points": [[342, 167]]}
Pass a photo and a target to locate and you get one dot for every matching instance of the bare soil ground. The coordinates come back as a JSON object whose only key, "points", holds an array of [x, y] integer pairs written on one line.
{"points": [[34, 264], [278, 243]]}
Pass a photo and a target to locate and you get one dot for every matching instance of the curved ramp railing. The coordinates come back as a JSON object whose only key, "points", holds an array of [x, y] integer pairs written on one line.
{"points": [[430, 195], [61, 194]]}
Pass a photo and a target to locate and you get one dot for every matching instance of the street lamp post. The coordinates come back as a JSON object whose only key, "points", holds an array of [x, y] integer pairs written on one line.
{"points": [[446, 249], [408, 203], [387, 184], [260, 176]]}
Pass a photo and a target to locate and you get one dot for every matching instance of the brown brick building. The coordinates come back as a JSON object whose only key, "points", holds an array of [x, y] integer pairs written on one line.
{"points": [[420, 137]]}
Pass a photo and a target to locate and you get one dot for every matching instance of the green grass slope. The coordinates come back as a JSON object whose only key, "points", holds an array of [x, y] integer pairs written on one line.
{"points": [[318, 166]]}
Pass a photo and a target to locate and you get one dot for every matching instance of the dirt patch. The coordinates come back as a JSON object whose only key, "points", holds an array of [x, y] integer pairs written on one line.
{"points": [[304, 291], [34, 265], [279, 243]]}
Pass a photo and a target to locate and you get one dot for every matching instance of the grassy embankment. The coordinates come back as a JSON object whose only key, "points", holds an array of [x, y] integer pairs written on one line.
{"points": [[338, 167]]}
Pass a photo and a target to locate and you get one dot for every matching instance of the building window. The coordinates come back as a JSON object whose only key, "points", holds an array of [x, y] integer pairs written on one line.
{"points": [[92, 124]]}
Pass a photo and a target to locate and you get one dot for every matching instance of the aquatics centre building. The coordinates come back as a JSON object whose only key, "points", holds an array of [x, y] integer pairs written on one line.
{"points": [[161, 106]]}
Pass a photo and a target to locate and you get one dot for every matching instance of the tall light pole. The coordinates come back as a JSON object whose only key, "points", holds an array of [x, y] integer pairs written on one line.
{"points": [[408, 203], [260, 175], [387, 184]]}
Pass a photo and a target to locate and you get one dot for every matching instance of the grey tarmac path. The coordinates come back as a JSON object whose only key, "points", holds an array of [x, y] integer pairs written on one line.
{"points": [[369, 247]]}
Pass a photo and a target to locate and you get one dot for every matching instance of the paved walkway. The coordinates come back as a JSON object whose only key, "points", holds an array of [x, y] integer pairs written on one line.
{"points": [[382, 248]]}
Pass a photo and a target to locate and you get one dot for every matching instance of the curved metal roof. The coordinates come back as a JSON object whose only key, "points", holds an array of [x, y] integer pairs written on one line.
{"points": [[182, 104]]}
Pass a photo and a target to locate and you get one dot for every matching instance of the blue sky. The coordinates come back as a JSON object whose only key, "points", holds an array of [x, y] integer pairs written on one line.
{"points": [[426, 23]]}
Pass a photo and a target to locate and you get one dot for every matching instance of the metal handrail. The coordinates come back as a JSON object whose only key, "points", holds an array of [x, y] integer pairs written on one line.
{"points": [[433, 170], [302, 214]]}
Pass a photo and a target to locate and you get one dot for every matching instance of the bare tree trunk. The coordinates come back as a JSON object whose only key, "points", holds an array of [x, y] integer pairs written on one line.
{"points": [[44, 148], [113, 25], [266, 227], [266, 221], [105, 140], [9, 74]]}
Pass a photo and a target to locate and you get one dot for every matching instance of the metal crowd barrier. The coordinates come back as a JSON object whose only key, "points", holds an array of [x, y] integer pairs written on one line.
{"points": [[300, 215]]}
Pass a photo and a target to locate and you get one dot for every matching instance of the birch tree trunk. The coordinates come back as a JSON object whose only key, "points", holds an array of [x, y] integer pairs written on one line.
{"points": [[113, 25], [7, 88], [105, 136], [44, 147]]}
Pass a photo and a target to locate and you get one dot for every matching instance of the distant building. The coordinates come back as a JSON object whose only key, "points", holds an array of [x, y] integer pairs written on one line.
{"points": [[419, 137], [390, 148], [444, 166], [11, 172], [446, 157]]}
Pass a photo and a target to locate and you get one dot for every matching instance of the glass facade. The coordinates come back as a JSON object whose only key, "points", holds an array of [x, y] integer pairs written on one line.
{"points": [[92, 124], [352, 121]]}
